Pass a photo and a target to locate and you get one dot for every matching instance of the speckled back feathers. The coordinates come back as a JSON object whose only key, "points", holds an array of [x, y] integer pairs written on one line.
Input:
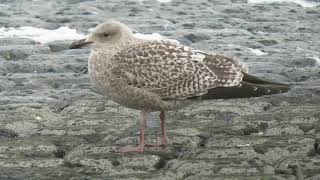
{"points": [[173, 71]]}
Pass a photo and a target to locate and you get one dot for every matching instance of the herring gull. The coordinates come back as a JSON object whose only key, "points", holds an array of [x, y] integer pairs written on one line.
{"points": [[153, 75]]}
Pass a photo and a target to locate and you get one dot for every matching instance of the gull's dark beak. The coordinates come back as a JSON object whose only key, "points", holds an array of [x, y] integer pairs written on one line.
{"points": [[79, 44]]}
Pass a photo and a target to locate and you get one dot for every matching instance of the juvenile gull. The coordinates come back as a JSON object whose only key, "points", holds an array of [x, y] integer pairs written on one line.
{"points": [[162, 75]]}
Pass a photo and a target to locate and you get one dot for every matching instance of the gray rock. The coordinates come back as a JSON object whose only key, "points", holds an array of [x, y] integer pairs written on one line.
{"points": [[196, 37], [56, 46], [268, 42], [314, 0], [16, 41], [20, 52], [5, 133]]}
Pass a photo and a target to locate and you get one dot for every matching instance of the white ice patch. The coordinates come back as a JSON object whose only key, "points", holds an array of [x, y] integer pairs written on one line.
{"points": [[41, 35], [243, 145], [309, 54], [63, 33], [257, 52], [315, 57], [301, 2], [154, 36]]}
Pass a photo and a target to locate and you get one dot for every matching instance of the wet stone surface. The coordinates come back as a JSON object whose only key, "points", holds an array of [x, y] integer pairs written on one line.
{"points": [[54, 125]]}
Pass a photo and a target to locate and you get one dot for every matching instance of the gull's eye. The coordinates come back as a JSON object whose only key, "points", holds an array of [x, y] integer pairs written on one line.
{"points": [[106, 34]]}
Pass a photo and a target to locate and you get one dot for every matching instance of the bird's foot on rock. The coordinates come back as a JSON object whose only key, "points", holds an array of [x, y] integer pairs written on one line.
{"points": [[162, 144], [128, 149], [156, 145]]}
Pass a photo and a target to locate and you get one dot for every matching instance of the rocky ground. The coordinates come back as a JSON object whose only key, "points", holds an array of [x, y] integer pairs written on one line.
{"points": [[54, 125]]}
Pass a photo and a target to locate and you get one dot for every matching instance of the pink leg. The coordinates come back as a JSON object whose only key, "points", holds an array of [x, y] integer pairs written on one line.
{"points": [[164, 140], [140, 147]]}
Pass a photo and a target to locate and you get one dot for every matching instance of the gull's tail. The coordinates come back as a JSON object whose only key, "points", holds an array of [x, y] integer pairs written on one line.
{"points": [[250, 86]]}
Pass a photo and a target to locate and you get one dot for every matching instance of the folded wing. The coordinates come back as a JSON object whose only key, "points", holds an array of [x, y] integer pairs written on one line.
{"points": [[173, 71]]}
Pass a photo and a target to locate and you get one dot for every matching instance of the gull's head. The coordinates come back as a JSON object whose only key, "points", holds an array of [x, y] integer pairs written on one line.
{"points": [[106, 35]]}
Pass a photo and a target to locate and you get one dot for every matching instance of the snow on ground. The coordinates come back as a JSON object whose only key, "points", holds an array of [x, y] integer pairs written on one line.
{"points": [[41, 35], [315, 57], [257, 52], [154, 36], [63, 33]]}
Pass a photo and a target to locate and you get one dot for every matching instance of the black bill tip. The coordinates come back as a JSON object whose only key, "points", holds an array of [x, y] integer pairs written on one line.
{"points": [[79, 44]]}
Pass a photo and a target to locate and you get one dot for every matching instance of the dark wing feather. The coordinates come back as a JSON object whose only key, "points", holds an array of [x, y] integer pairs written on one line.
{"points": [[251, 86]]}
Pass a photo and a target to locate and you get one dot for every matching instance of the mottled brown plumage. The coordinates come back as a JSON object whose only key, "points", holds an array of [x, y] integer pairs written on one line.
{"points": [[172, 71], [163, 75]]}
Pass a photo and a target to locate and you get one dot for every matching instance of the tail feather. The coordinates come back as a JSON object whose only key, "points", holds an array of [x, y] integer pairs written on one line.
{"points": [[256, 80], [250, 86]]}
